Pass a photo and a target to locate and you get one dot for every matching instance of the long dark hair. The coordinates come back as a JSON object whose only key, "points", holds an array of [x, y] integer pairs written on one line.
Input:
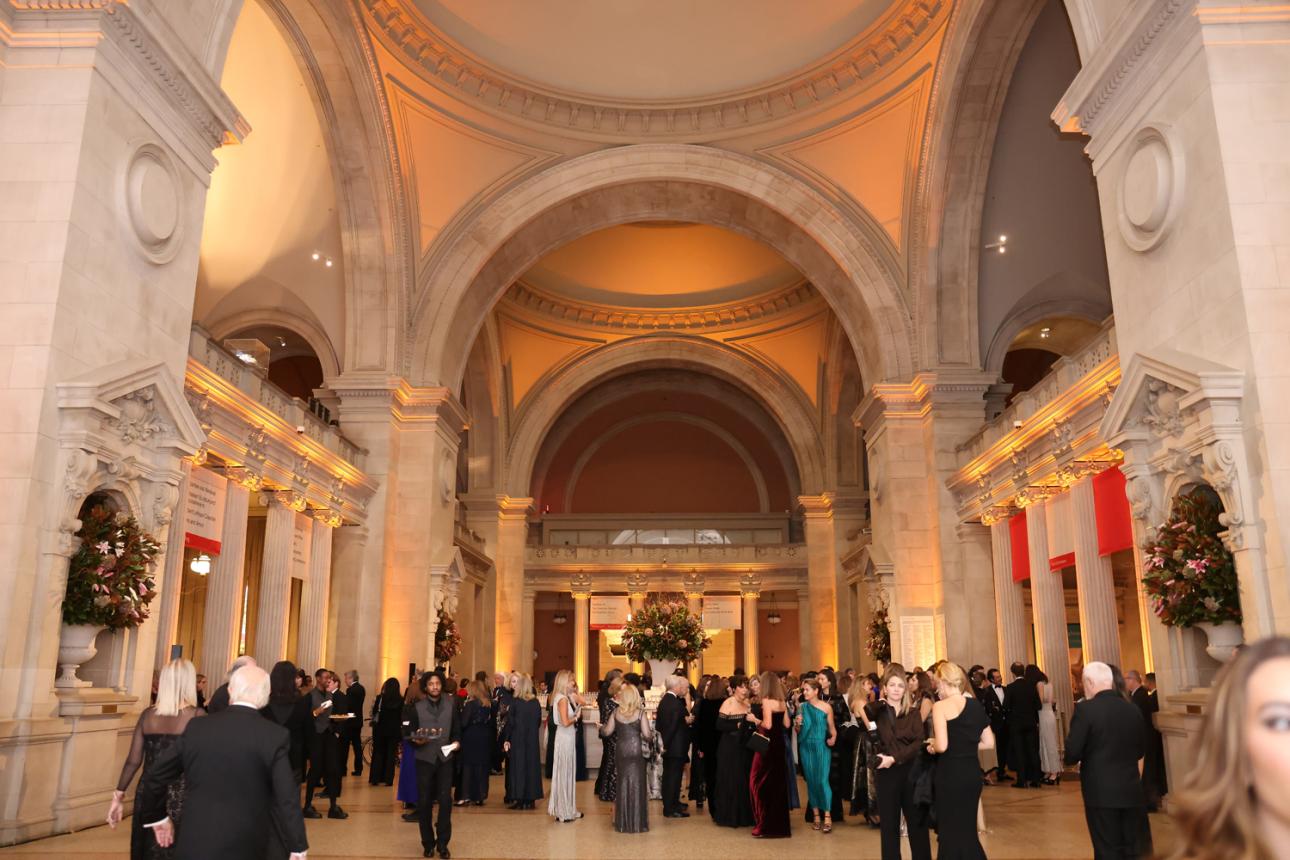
{"points": [[282, 683], [1034, 675], [391, 693]]}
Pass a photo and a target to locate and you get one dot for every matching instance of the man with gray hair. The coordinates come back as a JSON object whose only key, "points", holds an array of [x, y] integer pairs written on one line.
{"points": [[673, 724], [1107, 741], [241, 799], [219, 701]]}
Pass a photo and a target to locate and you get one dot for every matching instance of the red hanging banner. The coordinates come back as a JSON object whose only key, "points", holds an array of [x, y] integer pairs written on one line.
{"points": [[1111, 505], [1020, 547]]}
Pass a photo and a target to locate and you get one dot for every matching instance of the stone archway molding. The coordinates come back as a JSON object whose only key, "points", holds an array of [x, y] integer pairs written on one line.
{"points": [[306, 328], [1028, 315], [843, 255], [563, 385]]}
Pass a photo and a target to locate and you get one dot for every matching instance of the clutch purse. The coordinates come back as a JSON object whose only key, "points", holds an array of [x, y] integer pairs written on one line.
{"points": [[757, 742]]}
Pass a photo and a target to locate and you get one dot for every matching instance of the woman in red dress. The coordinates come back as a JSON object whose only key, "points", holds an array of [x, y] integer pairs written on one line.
{"points": [[768, 781]]}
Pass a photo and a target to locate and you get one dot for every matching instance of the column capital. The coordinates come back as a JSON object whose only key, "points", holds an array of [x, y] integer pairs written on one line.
{"points": [[968, 531], [244, 477], [580, 584], [378, 395], [961, 392], [750, 586], [327, 516], [511, 508], [692, 584], [994, 515], [292, 499], [817, 507], [637, 584]]}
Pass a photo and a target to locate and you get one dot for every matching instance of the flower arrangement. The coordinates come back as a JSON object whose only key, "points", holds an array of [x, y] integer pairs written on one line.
{"points": [[877, 643], [447, 639], [665, 630], [1190, 575], [109, 580]]}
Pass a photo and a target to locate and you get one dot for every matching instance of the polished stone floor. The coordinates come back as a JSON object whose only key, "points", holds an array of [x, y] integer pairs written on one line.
{"points": [[1046, 823]]}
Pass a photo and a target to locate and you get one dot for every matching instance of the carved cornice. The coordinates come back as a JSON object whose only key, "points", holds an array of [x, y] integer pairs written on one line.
{"points": [[724, 316], [449, 66]]}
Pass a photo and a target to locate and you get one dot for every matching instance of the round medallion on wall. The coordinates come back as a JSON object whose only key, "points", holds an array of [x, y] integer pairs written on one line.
{"points": [[153, 202], [1151, 187]]}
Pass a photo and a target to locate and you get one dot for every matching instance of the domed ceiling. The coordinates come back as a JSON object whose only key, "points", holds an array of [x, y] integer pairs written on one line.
{"points": [[666, 49], [662, 265]]}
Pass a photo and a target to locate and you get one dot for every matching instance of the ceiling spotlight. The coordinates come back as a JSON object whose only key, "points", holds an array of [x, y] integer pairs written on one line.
{"points": [[316, 255], [1001, 246], [329, 262], [282, 341], [1045, 333]]}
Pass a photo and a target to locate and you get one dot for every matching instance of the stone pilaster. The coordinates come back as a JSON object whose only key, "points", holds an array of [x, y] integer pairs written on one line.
{"points": [[693, 584], [1009, 603], [822, 579], [223, 616], [311, 651], [172, 578], [508, 564], [1099, 628], [526, 630], [750, 593], [580, 586], [976, 552], [1048, 603]]}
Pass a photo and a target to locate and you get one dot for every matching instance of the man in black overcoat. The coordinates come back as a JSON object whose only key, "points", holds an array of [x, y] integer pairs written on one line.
{"points": [[1021, 710], [238, 786], [1107, 741], [673, 725]]}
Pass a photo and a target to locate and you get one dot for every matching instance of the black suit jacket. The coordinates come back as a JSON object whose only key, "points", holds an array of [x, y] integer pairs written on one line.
{"points": [[355, 696], [1021, 704], [1107, 739], [219, 701], [239, 788], [1146, 705], [673, 731]]}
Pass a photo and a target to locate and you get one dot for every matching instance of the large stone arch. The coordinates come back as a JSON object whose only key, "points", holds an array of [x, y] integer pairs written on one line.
{"points": [[978, 55], [565, 384], [845, 259], [308, 329]]}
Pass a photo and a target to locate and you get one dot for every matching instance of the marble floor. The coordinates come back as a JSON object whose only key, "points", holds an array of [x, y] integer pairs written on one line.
{"points": [[1047, 823]]}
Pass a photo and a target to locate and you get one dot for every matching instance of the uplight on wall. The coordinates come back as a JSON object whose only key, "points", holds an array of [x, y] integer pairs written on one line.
{"points": [[319, 257], [200, 565], [1000, 246]]}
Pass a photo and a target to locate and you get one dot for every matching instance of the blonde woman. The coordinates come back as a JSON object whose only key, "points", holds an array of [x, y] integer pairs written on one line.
{"points": [[565, 708], [156, 730], [520, 740], [631, 732], [900, 741], [961, 727], [1235, 802]]}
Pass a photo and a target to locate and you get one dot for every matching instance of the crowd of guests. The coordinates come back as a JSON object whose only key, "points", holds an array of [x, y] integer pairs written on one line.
{"points": [[908, 752]]}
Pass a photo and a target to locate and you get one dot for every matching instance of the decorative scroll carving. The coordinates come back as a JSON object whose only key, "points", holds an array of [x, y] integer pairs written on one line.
{"points": [[245, 477], [637, 584], [580, 584], [692, 584], [139, 420], [750, 585], [1163, 409]]}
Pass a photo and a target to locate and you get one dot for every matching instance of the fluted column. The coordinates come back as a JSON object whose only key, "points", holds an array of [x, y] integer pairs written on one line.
{"points": [[1049, 605], [580, 585], [223, 614], [311, 652], [750, 592], [821, 577], [526, 628], [1098, 618], [693, 584], [1009, 603], [172, 577], [273, 615]]}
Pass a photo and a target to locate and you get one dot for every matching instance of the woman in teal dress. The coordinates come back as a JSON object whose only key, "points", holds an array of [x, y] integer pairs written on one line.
{"points": [[815, 735]]}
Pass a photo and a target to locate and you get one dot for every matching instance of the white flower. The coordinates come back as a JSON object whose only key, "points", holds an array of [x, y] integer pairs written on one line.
{"points": [[103, 547]]}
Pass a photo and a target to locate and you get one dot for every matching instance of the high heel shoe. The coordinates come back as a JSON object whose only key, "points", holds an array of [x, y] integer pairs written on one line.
{"points": [[828, 824]]}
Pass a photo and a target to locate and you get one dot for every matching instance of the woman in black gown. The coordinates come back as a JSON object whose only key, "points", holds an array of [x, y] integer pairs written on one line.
{"points": [[606, 704], [290, 710], [713, 696], [730, 801], [520, 742], [841, 757], [156, 730], [961, 727], [476, 745], [768, 781], [387, 731]]}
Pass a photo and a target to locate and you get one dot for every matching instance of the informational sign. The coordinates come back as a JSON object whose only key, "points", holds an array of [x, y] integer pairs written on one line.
{"points": [[723, 612], [301, 532], [1058, 511], [608, 612], [204, 510], [917, 641]]}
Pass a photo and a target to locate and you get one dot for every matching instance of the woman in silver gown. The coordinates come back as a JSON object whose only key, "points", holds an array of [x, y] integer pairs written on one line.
{"points": [[566, 705], [631, 732]]}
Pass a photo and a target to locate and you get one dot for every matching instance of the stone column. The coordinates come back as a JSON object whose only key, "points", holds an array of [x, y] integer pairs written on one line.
{"points": [[693, 584], [750, 591], [274, 614], [508, 563], [580, 586], [637, 595], [976, 552], [312, 648], [1009, 603], [805, 633], [1099, 627], [821, 577], [526, 627], [223, 616], [172, 578], [1049, 606]]}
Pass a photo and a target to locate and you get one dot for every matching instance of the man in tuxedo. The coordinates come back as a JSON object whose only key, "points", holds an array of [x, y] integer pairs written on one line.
{"points": [[326, 744], [1153, 765], [999, 720], [673, 725], [1108, 740], [436, 714], [219, 699], [1021, 709], [355, 696], [240, 795]]}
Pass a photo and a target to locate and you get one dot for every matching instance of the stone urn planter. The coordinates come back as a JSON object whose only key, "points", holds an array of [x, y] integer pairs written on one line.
{"points": [[660, 669], [76, 645], [1223, 639]]}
